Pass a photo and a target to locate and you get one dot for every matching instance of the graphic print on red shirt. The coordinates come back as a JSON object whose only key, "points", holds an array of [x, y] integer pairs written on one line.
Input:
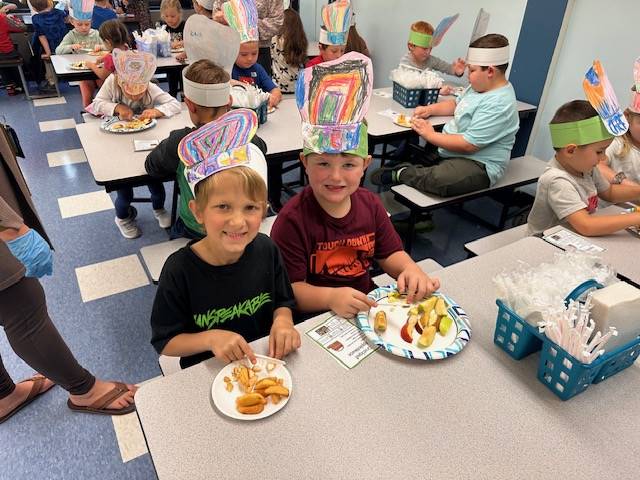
{"points": [[347, 257], [592, 203]]}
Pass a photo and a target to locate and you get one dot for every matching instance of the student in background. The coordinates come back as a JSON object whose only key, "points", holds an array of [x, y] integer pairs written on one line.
{"points": [[217, 294], [171, 15], [568, 191], [355, 43], [475, 147], [79, 40], [419, 54], [10, 24], [102, 12], [49, 28], [203, 7], [127, 93], [114, 35], [333, 35], [330, 233], [289, 52]]}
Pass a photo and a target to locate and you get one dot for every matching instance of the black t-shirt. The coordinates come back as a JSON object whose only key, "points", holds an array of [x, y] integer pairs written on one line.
{"points": [[176, 33], [194, 296]]}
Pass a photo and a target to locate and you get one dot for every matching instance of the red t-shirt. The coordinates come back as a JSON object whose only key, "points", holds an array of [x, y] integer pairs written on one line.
{"points": [[314, 61], [334, 252], [9, 25], [107, 63]]}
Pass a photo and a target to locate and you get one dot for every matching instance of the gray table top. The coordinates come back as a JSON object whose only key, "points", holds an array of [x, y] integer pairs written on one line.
{"points": [[621, 248], [479, 414], [61, 63]]}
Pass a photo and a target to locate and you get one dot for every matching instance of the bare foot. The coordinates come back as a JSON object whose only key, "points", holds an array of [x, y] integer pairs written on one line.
{"points": [[98, 390], [20, 394]]}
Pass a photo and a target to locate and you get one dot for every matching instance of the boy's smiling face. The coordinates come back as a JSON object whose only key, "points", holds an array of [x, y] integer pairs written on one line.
{"points": [[334, 177]]}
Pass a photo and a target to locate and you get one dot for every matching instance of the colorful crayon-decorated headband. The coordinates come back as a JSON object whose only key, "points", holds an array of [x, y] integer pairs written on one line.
{"points": [[487, 57], [337, 19], [425, 40], [634, 106], [81, 9], [134, 70], [220, 145], [609, 122], [242, 16], [333, 99]]}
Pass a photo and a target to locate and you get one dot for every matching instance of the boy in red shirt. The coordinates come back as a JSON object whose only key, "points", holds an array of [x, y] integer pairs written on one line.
{"points": [[334, 33]]}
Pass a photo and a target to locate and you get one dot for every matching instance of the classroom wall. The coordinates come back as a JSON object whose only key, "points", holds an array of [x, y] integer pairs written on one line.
{"points": [[591, 33], [385, 24]]}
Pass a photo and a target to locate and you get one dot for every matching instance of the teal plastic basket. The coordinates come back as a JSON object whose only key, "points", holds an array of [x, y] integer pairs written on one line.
{"points": [[557, 370]]}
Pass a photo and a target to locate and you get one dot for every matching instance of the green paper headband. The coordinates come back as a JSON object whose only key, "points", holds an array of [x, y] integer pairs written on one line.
{"points": [[361, 151], [582, 132], [420, 39]]}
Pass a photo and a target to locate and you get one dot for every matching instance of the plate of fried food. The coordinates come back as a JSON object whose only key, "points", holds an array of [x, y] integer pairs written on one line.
{"points": [[403, 120], [98, 53], [432, 328], [78, 65], [115, 125], [251, 392]]}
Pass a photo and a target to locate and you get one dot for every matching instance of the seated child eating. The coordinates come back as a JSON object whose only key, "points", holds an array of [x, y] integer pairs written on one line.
{"points": [[419, 54], [229, 288], [81, 39], [335, 32], [126, 94], [242, 16], [475, 147], [114, 35], [331, 232], [569, 189]]}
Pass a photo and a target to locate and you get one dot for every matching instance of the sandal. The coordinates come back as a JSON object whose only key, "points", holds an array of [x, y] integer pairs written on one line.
{"points": [[36, 391], [100, 405]]}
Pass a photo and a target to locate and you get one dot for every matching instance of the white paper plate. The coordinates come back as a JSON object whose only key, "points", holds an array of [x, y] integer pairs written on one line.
{"points": [[109, 124], [83, 66], [405, 125], [225, 401]]}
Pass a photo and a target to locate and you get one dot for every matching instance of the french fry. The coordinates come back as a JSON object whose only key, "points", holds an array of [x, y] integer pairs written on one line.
{"points": [[249, 399], [275, 398], [229, 386], [278, 390], [264, 383], [251, 410]]}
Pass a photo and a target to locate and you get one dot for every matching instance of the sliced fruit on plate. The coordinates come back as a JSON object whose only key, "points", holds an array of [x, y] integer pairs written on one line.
{"points": [[445, 324], [426, 339]]}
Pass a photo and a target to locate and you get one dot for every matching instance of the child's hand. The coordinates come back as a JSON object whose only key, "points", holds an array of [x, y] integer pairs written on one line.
{"points": [[283, 338], [229, 346], [90, 64], [275, 98], [76, 46], [45, 56], [422, 112], [459, 66], [446, 90], [98, 48], [416, 284], [347, 302], [422, 127], [123, 112], [177, 44], [8, 8], [151, 113]]}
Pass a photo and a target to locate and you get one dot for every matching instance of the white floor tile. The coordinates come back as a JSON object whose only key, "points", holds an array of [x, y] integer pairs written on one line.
{"points": [[84, 203], [110, 277], [66, 157], [62, 124], [43, 102], [129, 435]]}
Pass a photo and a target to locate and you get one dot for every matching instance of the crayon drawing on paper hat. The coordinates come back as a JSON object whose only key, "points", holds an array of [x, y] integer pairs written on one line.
{"points": [[81, 9], [222, 144], [333, 99], [337, 19], [242, 16], [134, 70]]}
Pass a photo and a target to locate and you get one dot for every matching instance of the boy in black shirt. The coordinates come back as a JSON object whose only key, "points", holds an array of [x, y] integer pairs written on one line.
{"points": [[231, 287]]}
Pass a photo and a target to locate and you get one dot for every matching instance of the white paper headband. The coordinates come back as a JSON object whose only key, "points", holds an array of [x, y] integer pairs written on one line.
{"points": [[332, 38], [206, 95], [486, 57]]}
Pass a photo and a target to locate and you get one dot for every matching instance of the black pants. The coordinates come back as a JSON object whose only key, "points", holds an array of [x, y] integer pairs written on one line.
{"points": [[35, 339], [264, 59], [11, 75]]}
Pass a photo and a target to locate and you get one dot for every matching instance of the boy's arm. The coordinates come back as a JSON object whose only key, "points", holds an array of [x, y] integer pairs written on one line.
{"points": [[227, 346], [411, 279], [100, 72], [45, 46], [163, 160], [609, 174], [345, 301], [595, 225], [164, 102], [66, 44], [621, 193], [439, 109]]}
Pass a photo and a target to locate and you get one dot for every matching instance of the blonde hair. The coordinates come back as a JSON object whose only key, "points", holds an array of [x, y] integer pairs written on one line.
{"points": [[422, 27], [247, 178], [627, 139], [166, 4]]}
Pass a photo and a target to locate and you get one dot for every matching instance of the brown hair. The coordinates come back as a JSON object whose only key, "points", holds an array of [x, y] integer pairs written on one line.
{"points": [[573, 111], [355, 43], [114, 32], [492, 40], [166, 4], [251, 182], [422, 27], [294, 40], [40, 5], [207, 72]]}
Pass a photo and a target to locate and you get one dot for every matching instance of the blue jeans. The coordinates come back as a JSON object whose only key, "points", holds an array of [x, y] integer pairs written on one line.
{"points": [[124, 196]]}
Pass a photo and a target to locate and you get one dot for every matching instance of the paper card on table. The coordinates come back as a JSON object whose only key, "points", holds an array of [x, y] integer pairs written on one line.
{"points": [[564, 239], [143, 145], [343, 340], [389, 113], [382, 93]]}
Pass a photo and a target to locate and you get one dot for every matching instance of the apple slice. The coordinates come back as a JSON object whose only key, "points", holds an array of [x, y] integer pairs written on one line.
{"points": [[445, 324], [406, 334], [426, 339]]}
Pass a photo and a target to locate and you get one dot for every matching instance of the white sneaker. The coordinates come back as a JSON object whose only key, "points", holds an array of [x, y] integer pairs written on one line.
{"points": [[128, 227], [163, 217]]}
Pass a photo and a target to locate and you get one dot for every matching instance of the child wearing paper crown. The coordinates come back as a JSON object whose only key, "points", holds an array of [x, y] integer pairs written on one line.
{"points": [[569, 189], [331, 232], [127, 93], [475, 147], [242, 16], [419, 54], [102, 12], [334, 33], [114, 35], [206, 95], [231, 287], [81, 37]]}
